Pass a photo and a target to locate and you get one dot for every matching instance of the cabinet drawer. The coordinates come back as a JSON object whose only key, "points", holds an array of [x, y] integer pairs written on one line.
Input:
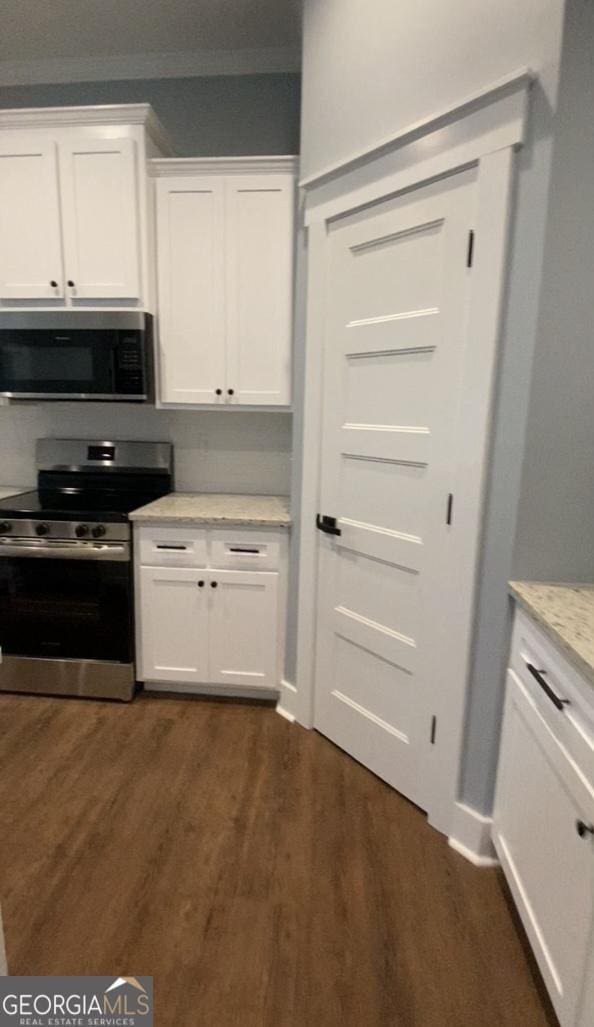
{"points": [[543, 812], [244, 550], [561, 695], [172, 547]]}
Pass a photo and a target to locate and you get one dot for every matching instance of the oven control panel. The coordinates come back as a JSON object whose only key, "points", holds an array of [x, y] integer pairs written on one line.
{"points": [[22, 528]]}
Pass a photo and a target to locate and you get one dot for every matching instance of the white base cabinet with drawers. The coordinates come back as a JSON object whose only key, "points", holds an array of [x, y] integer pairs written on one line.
{"points": [[544, 816], [211, 607]]}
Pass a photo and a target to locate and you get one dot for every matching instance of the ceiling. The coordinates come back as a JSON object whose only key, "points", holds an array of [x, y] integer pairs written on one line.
{"points": [[73, 39]]}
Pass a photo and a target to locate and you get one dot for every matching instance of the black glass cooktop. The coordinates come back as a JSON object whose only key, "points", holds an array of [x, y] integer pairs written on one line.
{"points": [[75, 505]]}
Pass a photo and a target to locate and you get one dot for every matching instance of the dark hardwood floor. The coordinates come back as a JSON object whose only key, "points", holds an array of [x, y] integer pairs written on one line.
{"points": [[260, 875]]}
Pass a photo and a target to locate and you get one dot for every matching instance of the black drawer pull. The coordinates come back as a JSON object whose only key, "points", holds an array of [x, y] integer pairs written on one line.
{"points": [[583, 829], [178, 548], [548, 691], [243, 549]]}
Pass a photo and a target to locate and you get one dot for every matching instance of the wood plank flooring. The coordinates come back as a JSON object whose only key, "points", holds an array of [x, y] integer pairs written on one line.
{"points": [[260, 875]]}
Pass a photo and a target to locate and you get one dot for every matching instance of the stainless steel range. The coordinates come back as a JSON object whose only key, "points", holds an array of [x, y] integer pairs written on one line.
{"points": [[66, 583]]}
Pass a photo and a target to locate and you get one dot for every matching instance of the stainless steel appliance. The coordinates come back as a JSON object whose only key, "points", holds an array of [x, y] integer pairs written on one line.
{"points": [[66, 582], [77, 355]]}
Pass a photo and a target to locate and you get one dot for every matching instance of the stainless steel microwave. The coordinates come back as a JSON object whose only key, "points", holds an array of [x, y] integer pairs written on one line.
{"points": [[77, 355]]}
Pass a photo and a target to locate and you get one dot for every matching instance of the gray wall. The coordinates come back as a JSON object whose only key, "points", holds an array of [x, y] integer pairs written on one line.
{"points": [[372, 69], [553, 472], [218, 116]]}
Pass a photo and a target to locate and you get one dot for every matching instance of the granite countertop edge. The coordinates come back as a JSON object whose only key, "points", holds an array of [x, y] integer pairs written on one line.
{"points": [[216, 509], [565, 612]]}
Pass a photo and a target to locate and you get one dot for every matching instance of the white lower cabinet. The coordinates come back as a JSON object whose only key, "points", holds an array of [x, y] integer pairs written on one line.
{"points": [[544, 817], [208, 628], [174, 620]]}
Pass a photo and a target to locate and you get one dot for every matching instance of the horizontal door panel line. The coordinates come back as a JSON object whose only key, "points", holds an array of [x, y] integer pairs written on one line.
{"points": [[403, 429], [390, 548], [381, 240], [390, 351], [384, 460], [385, 318], [373, 717], [406, 445], [376, 626], [243, 673], [391, 532]]}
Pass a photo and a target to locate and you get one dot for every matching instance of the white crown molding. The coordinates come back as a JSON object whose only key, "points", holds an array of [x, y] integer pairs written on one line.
{"points": [[519, 81], [180, 166], [102, 114], [187, 64]]}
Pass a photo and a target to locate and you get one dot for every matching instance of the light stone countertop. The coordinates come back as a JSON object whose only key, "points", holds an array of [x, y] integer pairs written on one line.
{"points": [[566, 614], [215, 508], [11, 490]]}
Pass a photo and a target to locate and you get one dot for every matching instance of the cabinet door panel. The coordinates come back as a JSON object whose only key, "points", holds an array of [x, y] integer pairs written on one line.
{"points": [[260, 243], [243, 628], [549, 867], [174, 628], [30, 243], [100, 218], [190, 224]]}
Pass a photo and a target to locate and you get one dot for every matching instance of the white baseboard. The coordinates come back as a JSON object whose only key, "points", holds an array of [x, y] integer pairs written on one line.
{"points": [[287, 701], [471, 836]]}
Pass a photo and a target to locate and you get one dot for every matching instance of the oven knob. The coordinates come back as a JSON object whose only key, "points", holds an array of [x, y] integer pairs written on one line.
{"points": [[81, 530], [42, 529], [5, 527], [98, 532]]}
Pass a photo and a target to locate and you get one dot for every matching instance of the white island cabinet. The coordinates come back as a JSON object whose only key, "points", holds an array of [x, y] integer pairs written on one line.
{"points": [[544, 814], [75, 213], [210, 606], [225, 253]]}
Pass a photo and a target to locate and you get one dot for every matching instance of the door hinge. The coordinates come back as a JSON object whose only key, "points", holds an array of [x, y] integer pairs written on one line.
{"points": [[470, 250], [433, 729], [450, 509]]}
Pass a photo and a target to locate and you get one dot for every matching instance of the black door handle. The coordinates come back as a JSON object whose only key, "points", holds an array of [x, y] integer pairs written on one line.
{"points": [[583, 829], [327, 525], [548, 691]]}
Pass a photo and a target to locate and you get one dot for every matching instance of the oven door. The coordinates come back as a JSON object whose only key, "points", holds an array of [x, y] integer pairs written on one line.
{"points": [[66, 618]]}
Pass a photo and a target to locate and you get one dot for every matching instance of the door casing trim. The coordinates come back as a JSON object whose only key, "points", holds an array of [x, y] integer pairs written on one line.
{"points": [[486, 137]]}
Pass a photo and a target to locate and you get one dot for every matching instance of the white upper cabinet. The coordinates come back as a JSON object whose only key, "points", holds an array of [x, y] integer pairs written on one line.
{"points": [[76, 218], [30, 241], [190, 225], [225, 270], [100, 217], [260, 244]]}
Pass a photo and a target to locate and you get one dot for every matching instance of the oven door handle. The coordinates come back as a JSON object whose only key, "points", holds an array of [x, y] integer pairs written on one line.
{"points": [[64, 550]]}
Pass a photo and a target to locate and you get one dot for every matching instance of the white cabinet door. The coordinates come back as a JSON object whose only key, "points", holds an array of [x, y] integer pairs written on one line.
{"points": [[100, 216], [190, 222], [243, 619], [30, 243], [174, 624], [260, 244], [540, 804]]}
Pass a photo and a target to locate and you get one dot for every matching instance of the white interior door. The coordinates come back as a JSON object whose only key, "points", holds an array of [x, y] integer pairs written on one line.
{"points": [[243, 628], [260, 244], [191, 249], [101, 218], [30, 242], [174, 624], [397, 292]]}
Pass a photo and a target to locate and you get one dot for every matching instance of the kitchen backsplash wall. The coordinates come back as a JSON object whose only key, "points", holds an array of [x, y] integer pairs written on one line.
{"points": [[214, 452]]}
